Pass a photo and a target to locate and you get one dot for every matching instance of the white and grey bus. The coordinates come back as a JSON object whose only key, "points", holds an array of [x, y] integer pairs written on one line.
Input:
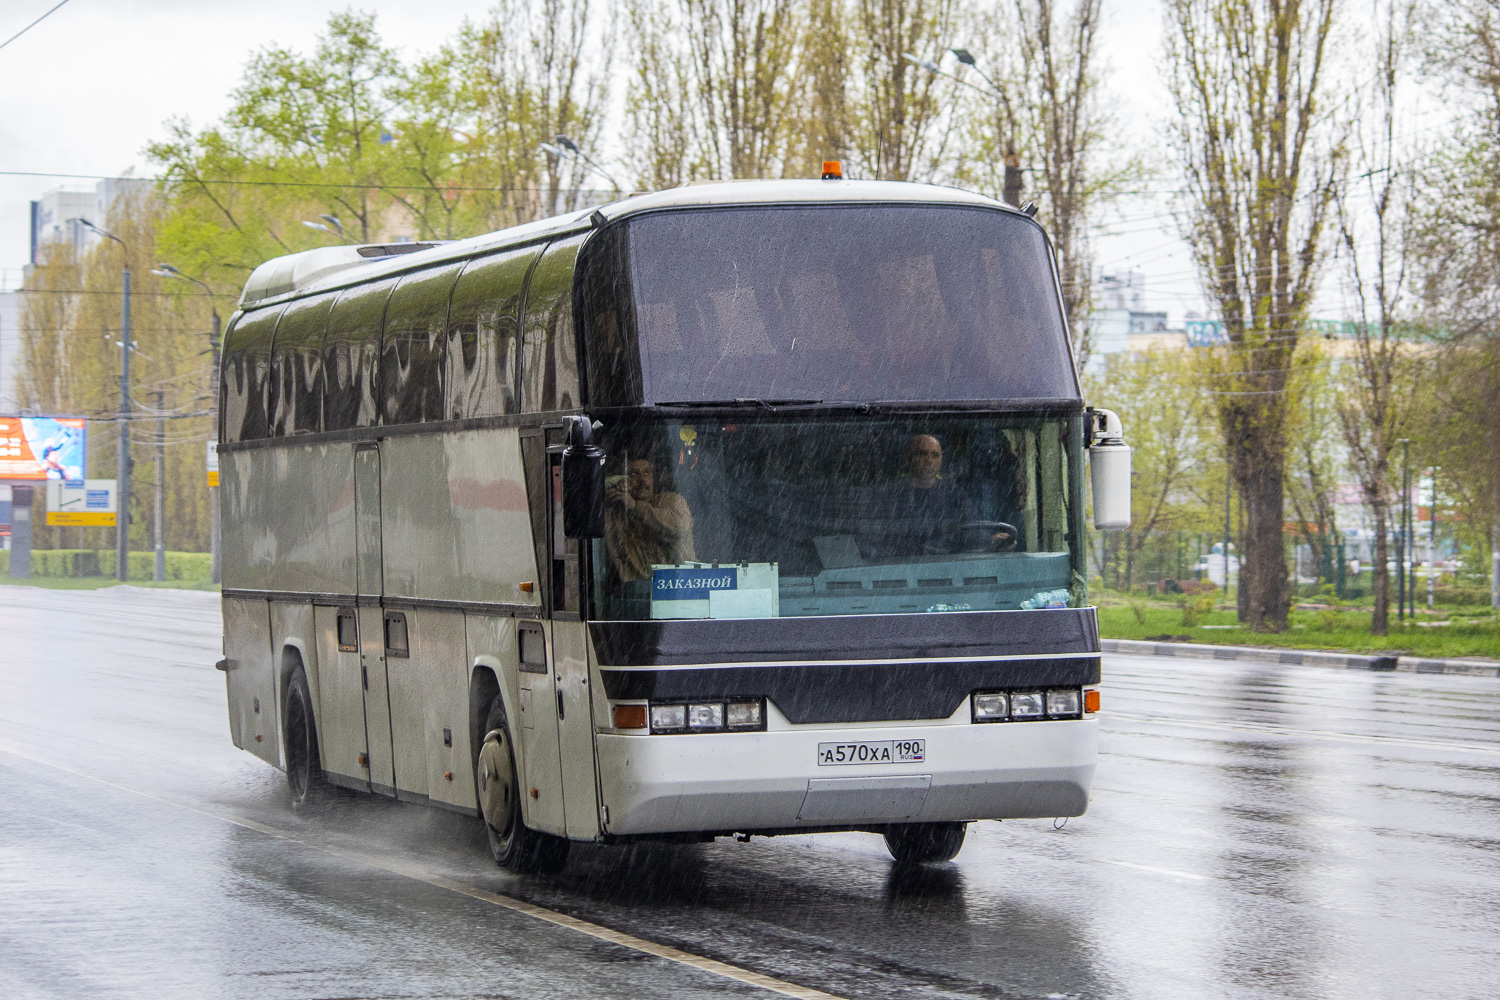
{"points": [[748, 508]]}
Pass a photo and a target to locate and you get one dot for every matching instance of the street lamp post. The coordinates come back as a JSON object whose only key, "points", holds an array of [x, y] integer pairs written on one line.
{"points": [[168, 271], [1401, 545], [122, 486], [562, 147], [1011, 189]]}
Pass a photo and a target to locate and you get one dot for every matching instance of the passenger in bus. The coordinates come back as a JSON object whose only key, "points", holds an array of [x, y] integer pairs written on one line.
{"points": [[642, 526], [924, 514]]}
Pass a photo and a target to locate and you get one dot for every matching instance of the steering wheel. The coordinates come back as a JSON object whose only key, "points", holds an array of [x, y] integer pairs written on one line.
{"points": [[995, 527]]}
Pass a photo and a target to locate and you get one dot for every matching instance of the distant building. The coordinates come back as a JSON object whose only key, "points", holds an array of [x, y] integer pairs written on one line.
{"points": [[10, 350], [1121, 320], [54, 215]]}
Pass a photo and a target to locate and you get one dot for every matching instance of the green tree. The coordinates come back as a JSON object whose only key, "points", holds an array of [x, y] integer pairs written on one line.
{"points": [[1258, 135]]}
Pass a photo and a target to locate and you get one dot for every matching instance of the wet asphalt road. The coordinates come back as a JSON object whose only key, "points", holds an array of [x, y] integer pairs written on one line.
{"points": [[1256, 831]]}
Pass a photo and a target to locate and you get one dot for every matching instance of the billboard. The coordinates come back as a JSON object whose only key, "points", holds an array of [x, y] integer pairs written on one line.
{"points": [[34, 449]]}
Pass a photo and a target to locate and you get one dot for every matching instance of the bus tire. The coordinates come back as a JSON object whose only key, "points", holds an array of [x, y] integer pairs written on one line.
{"points": [[925, 843], [299, 734], [514, 845]]}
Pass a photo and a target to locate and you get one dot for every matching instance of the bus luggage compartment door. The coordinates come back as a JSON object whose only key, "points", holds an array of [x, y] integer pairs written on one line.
{"points": [[370, 582]]}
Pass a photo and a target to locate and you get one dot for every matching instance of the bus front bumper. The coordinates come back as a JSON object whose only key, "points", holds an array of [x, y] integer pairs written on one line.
{"points": [[742, 782]]}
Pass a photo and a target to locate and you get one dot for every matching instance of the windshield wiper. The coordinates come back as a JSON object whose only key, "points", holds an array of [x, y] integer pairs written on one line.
{"points": [[742, 401]]}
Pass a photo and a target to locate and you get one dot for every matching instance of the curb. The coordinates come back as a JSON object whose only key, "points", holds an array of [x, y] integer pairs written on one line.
{"points": [[1305, 657]]}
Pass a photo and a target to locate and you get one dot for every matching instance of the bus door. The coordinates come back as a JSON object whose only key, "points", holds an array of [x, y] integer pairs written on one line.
{"points": [[575, 723], [373, 640]]}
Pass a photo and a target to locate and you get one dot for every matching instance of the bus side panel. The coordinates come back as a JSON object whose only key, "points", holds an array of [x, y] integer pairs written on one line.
{"points": [[247, 541], [575, 731], [309, 503], [341, 703], [456, 524], [439, 653], [531, 709], [251, 678]]}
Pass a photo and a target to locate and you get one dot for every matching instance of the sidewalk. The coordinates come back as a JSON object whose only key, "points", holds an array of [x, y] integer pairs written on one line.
{"points": [[1306, 657]]}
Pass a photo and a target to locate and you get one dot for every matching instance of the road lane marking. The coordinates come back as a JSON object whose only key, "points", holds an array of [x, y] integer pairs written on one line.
{"points": [[1159, 871], [1267, 728], [411, 871]]}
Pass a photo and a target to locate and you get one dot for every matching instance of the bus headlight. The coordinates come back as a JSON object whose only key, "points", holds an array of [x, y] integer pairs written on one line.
{"points": [[706, 716], [668, 717], [991, 706], [1027, 705], [1063, 702], [743, 715]]}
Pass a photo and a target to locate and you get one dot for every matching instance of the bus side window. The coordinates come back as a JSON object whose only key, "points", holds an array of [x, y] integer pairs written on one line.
{"points": [[549, 345], [297, 367], [247, 381], [533, 649], [395, 634], [348, 623], [351, 356], [483, 321], [412, 349]]}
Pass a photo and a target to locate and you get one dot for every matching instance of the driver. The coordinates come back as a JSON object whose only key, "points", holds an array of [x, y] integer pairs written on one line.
{"points": [[926, 513], [642, 526]]}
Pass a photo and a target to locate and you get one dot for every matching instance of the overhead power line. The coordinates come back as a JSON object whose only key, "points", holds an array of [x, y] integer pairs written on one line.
{"points": [[33, 24]]}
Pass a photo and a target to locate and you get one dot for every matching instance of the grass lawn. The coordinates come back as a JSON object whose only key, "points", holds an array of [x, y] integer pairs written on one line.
{"points": [[100, 582], [1472, 632]]}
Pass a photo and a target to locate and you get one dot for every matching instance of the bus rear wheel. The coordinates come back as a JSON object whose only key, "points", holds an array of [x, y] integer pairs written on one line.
{"points": [[513, 845], [304, 769], [925, 843]]}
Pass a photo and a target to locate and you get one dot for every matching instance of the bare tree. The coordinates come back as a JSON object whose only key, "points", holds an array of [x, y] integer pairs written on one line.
{"points": [[1049, 115], [1378, 240], [530, 82], [1259, 142], [717, 89], [898, 129]]}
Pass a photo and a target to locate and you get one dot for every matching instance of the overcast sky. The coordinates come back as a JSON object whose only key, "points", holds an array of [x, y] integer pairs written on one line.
{"points": [[87, 88]]}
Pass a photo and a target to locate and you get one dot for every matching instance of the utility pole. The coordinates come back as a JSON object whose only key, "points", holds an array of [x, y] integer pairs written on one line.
{"points": [[1228, 486], [161, 476], [1432, 543], [168, 271], [122, 482], [1401, 545], [1409, 543], [122, 517]]}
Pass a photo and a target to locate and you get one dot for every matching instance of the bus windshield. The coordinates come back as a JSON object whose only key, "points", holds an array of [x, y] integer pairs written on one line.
{"points": [[833, 303], [783, 517]]}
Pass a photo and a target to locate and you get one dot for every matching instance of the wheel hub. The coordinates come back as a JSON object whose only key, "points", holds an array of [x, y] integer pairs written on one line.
{"points": [[496, 789]]}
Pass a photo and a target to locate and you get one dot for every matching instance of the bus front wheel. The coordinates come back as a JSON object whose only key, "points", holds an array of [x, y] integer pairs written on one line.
{"points": [[513, 844], [304, 771], [925, 843]]}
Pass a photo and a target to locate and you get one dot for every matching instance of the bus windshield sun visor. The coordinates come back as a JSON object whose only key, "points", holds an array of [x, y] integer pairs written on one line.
{"points": [[878, 303]]}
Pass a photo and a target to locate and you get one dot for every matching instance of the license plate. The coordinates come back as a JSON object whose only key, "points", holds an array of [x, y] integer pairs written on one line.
{"points": [[883, 752]]}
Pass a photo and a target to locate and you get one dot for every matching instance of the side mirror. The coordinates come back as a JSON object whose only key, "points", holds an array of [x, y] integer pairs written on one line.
{"points": [[583, 482], [1109, 470]]}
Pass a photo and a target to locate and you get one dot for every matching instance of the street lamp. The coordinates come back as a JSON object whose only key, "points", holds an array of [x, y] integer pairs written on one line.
{"points": [[332, 227], [1011, 191], [168, 271], [122, 504], [562, 147]]}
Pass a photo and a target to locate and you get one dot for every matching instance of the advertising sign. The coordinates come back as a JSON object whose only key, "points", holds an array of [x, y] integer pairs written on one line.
{"points": [[41, 448], [213, 463], [81, 503]]}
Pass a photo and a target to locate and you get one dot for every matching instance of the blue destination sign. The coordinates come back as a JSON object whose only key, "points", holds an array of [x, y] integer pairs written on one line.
{"points": [[691, 584]]}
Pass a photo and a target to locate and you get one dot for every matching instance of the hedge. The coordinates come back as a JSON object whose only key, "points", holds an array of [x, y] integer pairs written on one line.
{"points": [[96, 562]]}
